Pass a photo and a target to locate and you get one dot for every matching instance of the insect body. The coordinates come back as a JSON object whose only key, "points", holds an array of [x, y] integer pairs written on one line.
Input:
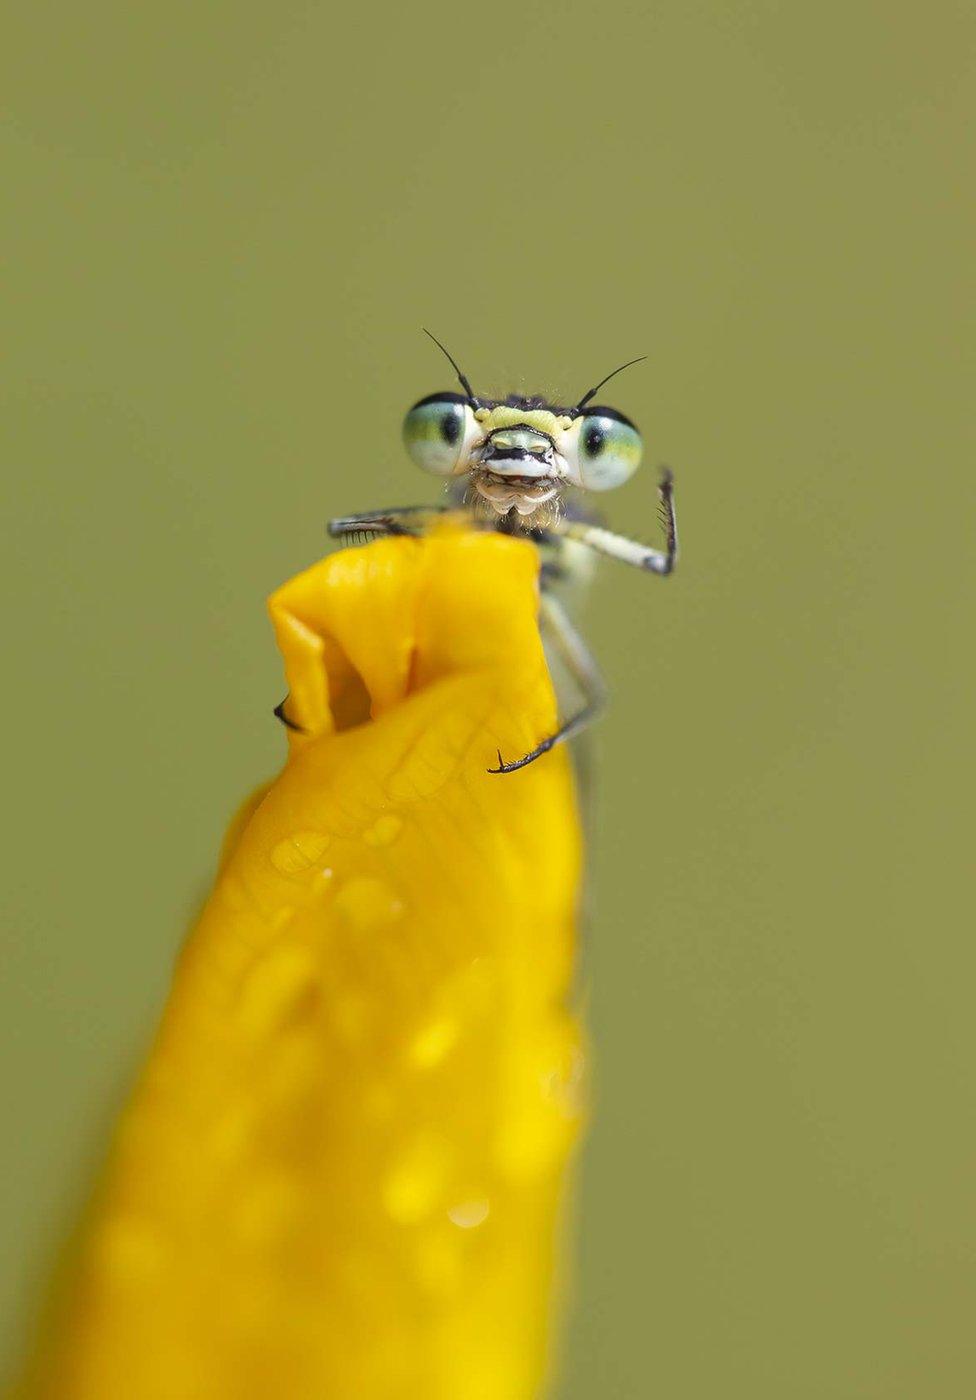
{"points": [[514, 466]]}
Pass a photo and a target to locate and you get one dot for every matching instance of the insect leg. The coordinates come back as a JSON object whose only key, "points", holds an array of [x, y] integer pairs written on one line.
{"points": [[608, 542], [576, 657], [279, 713], [400, 520]]}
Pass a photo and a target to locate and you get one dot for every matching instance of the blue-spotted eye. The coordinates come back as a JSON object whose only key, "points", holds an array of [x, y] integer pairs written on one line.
{"points": [[435, 431], [609, 449]]}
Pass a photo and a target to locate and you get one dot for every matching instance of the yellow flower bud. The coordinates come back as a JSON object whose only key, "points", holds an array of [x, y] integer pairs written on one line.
{"points": [[340, 1172]]}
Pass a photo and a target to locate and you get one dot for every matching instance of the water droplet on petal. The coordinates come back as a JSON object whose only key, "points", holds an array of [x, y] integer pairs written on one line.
{"points": [[384, 831], [562, 1078], [367, 903], [298, 851], [430, 1046], [278, 989], [413, 1185], [467, 1214]]}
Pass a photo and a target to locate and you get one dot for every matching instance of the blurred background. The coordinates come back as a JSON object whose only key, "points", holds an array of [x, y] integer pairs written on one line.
{"points": [[225, 225]]}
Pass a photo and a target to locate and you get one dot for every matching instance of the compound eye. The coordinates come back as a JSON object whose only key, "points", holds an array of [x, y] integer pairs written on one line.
{"points": [[610, 449], [435, 430]]}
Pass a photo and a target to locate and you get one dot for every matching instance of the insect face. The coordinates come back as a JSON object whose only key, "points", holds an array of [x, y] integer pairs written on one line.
{"points": [[520, 455], [509, 464]]}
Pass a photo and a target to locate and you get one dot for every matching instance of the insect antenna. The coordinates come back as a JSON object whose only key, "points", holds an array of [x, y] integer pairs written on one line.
{"points": [[462, 377], [590, 392]]}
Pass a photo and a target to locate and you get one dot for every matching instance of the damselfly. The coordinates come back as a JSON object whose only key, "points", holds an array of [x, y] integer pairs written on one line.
{"points": [[515, 465]]}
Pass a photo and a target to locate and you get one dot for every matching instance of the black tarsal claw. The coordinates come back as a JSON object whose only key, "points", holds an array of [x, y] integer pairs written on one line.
{"points": [[279, 713]]}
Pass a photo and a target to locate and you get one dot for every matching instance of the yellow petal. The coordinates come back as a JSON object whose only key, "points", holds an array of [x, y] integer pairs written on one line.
{"points": [[340, 1173]]}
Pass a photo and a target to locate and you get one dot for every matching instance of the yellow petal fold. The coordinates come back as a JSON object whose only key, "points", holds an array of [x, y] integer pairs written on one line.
{"points": [[340, 1173]]}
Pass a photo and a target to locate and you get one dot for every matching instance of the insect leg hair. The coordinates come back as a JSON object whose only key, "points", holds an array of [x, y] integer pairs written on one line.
{"points": [[399, 520]]}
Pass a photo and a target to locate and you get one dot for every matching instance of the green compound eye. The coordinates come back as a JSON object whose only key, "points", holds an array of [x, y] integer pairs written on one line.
{"points": [[610, 449], [434, 431]]}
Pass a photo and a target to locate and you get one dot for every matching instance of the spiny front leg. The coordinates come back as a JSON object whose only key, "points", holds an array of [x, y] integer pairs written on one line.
{"points": [[399, 520], [640, 556]]}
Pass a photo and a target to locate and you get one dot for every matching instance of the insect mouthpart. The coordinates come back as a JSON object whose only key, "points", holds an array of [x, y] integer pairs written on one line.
{"points": [[535, 497], [519, 451]]}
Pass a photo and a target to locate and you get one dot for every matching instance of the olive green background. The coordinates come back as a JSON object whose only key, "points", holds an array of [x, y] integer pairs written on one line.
{"points": [[225, 225]]}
